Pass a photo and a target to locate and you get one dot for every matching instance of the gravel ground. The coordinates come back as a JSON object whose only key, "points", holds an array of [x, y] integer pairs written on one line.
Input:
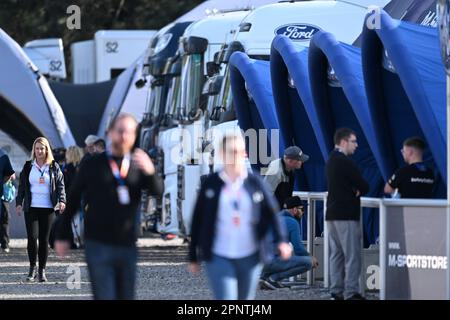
{"points": [[162, 275]]}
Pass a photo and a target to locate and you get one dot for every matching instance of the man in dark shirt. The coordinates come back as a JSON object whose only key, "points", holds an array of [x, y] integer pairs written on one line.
{"points": [[345, 186], [111, 183], [6, 173], [415, 180]]}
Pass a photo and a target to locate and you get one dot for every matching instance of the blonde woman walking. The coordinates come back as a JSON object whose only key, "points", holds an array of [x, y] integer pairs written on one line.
{"points": [[41, 191]]}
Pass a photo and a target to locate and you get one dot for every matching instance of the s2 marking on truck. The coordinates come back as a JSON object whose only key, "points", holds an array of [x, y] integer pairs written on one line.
{"points": [[55, 65], [112, 47], [298, 32]]}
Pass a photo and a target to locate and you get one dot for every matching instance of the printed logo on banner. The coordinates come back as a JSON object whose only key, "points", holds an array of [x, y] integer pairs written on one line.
{"points": [[298, 32]]}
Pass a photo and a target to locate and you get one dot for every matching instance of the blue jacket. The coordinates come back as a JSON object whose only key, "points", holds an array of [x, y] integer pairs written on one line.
{"points": [[294, 233]]}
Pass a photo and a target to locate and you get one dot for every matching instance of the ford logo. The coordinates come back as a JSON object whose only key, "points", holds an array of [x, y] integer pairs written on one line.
{"points": [[298, 32]]}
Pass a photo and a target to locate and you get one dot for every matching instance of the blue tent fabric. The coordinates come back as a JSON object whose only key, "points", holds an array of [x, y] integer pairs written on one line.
{"points": [[419, 75], [299, 124], [289, 59], [346, 63], [249, 76], [345, 105]]}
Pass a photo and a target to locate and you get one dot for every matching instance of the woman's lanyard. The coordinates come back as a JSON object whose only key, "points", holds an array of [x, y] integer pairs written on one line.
{"points": [[42, 172], [120, 175], [235, 197]]}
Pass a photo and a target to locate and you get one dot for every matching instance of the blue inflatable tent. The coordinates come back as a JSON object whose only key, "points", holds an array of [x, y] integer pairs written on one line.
{"points": [[337, 88], [253, 100], [299, 124], [252, 96], [405, 85]]}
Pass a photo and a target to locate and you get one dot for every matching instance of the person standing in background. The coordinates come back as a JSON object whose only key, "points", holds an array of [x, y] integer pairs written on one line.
{"points": [[100, 146], [74, 155], [6, 174], [345, 187], [112, 183], [89, 150], [416, 180], [41, 192], [234, 213], [9, 194], [280, 173]]}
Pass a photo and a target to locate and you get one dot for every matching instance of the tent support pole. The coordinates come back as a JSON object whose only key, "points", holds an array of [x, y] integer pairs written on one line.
{"points": [[448, 185]]}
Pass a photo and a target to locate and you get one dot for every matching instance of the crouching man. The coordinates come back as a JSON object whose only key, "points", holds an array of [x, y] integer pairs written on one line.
{"points": [[301, 261]]}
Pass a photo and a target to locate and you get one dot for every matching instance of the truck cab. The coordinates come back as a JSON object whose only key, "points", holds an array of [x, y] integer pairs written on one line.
{"points": [[161, 72], [182, 145]]}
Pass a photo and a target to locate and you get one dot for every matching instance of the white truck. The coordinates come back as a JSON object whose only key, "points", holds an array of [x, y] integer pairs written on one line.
{"points": [[48, 56], [100, 59], [194, 152], [181, 145], [161, 77], [108, 54]]}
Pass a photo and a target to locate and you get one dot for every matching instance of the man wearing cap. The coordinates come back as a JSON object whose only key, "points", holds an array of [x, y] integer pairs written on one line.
{"points": [[301, 261], [280, 173], [90, 147], [90, 143]]}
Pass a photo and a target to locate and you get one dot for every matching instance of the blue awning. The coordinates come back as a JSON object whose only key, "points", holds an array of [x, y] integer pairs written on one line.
{"points": [[406, 87], [299, 123], [345, 61], [252, 96]]}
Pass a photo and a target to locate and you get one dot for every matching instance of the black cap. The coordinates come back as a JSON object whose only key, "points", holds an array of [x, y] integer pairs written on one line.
{"points": [[292, 202], [296, 153]]}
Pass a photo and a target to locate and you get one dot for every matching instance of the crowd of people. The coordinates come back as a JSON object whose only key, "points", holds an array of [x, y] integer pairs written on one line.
{"points": [[245, 228], [103, 184]]}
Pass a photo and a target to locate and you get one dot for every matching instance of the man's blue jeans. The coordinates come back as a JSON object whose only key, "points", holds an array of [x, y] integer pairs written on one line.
{"points": [[233, 279], [281, 269], [112, 270]]}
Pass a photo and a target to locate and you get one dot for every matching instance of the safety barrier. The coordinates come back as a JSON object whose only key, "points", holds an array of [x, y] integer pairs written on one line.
{"points": [[382, 204], [312, 198], [413, 264]]}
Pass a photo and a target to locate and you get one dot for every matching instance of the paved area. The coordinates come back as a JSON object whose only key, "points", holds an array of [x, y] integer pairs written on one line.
{"points": [[162, 274]]}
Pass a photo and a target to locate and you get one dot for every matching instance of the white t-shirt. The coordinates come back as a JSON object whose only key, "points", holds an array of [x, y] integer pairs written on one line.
{"points": [[40, 192], [235, 233]]}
